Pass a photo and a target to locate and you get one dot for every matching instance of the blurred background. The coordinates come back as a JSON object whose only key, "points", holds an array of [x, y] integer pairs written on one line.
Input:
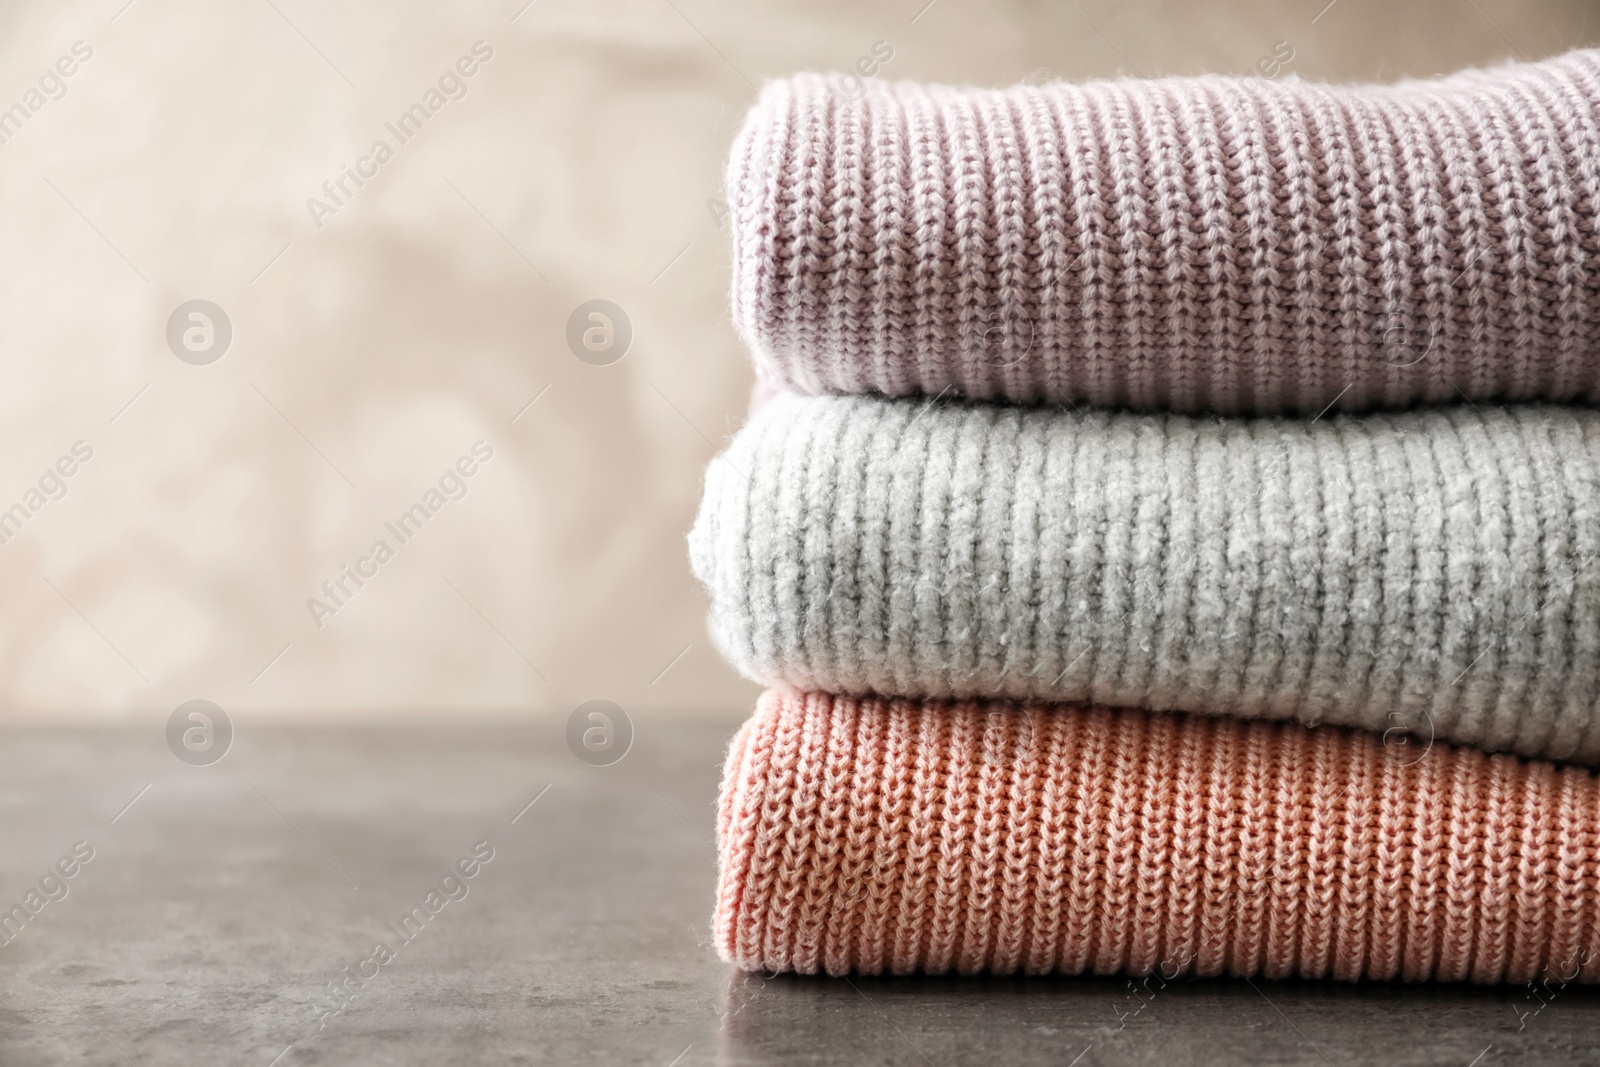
{"points": [[360, 339]]}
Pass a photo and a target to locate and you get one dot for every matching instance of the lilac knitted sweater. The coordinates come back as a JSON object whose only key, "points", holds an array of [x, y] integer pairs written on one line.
{"points": [[1233, 245]]}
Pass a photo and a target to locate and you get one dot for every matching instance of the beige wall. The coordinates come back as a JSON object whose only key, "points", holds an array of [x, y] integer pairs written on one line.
{"points": [[379, 347]]}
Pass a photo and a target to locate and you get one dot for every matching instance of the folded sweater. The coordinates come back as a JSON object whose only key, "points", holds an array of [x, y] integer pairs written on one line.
{"points": [[1194, 244], [1432, 571], [880, 836]]}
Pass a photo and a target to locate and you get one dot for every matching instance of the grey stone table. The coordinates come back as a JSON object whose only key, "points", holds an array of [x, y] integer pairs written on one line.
{"points": [[222, 902]]}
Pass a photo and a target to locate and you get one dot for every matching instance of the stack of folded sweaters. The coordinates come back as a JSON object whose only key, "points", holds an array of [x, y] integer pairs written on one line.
{"points": [[1171, 535]]}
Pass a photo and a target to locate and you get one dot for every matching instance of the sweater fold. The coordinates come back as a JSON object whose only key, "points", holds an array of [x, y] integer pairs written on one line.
{"points": [[1428, 572], [1222, 244], [885, 836]]}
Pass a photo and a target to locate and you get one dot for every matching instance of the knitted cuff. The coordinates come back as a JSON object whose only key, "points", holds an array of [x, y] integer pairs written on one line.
{"points": [[1222, 244], [880, 836], [1430, 571]]}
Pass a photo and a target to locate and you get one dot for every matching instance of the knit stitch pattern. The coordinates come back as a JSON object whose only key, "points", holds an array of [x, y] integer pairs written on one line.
{"points": [[877, 836], [1221, 244], [1431, 571]]}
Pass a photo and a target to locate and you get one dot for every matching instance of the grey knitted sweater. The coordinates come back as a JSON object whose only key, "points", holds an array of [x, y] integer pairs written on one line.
{"points": [[1432, 571], [1234, 245]]}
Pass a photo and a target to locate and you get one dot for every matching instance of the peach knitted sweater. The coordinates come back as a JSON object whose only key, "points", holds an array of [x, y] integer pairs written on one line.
{"points": [[889, 836], [1230, 245]]}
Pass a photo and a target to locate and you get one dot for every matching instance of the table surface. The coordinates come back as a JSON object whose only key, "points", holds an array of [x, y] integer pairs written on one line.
{"points": [[220, 906]]}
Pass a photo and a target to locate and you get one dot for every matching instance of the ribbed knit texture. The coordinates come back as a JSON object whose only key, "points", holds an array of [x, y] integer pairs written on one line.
{"points": [[1192, 244], [885, 836], [1433, 571]]}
